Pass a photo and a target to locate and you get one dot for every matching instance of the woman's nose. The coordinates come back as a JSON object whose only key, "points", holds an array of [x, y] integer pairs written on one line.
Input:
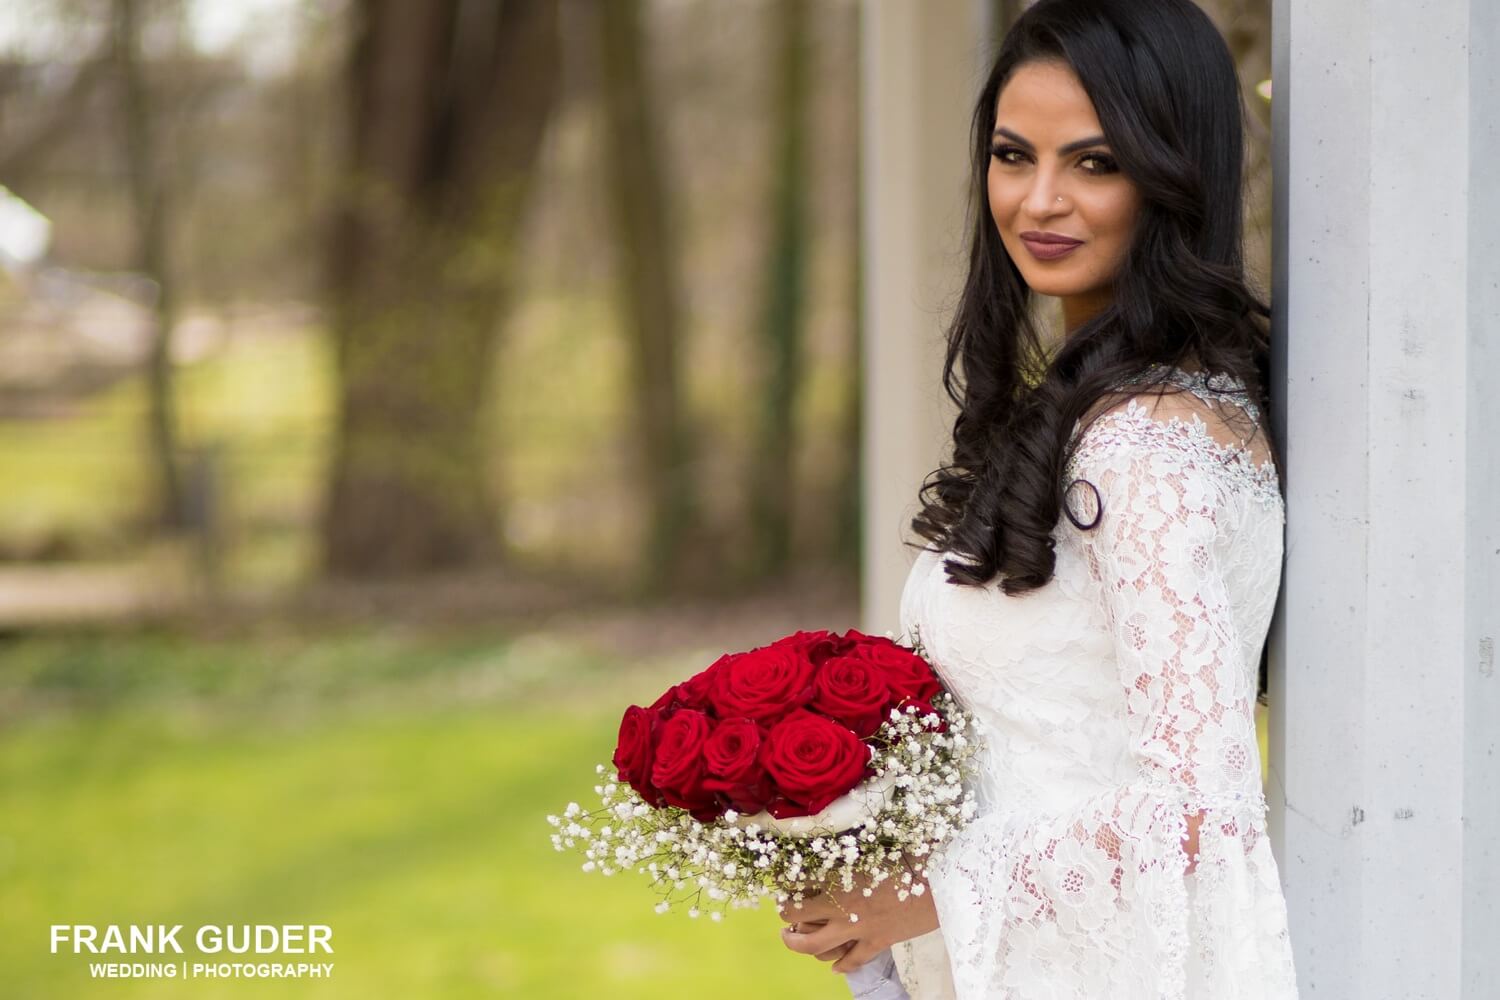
{"points": [[1044, 198]]}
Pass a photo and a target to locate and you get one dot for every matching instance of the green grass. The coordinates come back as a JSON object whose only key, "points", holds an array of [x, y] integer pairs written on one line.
{"points": [[164, 780], [264, 403], [77, 476], [391, 784]]}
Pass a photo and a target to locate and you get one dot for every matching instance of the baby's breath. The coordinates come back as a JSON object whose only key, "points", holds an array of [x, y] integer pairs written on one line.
{"points": [[725, 866]]}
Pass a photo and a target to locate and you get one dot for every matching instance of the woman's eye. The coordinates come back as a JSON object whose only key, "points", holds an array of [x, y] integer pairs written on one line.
{"points": [[1100, 162], [1106, 164]]}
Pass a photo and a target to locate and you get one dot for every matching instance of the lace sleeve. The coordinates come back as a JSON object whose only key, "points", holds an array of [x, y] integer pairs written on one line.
{"points": [[1098, 902], [1189, 695]]}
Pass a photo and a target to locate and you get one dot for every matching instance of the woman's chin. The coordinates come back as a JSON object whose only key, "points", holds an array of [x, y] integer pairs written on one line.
{"points": [[1051, 285]]}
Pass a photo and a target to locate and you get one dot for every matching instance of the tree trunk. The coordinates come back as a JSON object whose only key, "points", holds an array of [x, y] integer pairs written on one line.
{"points": [[148, 195], [1006, 12], [772, 484], [1247, 29], [849, 500], [24, 156], [450, 100], [650, 282]]}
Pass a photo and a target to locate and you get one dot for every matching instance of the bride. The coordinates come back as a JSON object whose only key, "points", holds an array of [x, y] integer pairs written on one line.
{"points": [[1102, 553]]}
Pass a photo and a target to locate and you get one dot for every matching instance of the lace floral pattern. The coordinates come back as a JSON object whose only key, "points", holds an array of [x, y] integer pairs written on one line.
{"points": [[1118, 701]]}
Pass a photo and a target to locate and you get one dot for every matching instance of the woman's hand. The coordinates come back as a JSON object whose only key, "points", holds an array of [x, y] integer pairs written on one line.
{"points": [[822, 927]]}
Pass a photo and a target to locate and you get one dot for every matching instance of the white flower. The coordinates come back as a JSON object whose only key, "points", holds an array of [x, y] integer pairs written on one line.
{"points": [[739, 866]]}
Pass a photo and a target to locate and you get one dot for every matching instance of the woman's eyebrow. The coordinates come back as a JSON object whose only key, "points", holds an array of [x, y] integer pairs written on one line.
{"points": [[1093, 140]]}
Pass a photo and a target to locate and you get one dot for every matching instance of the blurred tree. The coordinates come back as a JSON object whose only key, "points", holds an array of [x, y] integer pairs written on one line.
{"points": [[1005, 13], [848, 548], [150, 206], [652, 288], [25, 153], [771, 488], [449, 100], [1246, 25]]}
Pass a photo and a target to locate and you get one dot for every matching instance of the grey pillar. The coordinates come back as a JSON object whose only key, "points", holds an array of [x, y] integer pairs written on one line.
{"points": [[1385, 775], [918, 84]]}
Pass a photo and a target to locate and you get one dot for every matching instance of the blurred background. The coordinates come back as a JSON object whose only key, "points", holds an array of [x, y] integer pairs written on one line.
{"points": [[389, 393]]}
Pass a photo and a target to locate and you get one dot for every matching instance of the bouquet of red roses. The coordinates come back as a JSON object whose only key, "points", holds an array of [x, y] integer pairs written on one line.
{"points": [[806, 763]]}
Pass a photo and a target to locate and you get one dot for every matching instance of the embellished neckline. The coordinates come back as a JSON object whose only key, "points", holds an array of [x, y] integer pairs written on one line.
{"points": [[1194, 433], [1204, 385], [1231, 456], [1219, 383]]}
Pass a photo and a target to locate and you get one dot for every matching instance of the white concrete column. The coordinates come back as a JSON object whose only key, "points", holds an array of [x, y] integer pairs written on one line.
{"points": [[919, 78], [1480, 968], [1385, 768]]}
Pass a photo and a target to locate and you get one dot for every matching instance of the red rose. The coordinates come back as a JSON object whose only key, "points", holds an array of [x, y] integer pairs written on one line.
{"points": [[678, 767], [633, 751], [854, 692], [906, 673], [732, 758], [732, 752], [763, 684], [813, 761], [693, 692], [815, 646]]}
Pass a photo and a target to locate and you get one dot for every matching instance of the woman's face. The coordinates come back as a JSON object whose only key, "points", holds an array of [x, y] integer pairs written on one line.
{"points": [[1051, 176]]}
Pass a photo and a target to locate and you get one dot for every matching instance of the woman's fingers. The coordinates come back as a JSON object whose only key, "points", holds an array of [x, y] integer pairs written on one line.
{"points": [[858, 954], [814, 930], [804, 926], [814, 909], [789, 906], [834, 954], [818, 940]]}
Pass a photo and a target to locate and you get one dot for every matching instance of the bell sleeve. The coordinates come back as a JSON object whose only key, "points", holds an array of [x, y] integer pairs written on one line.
{"points": [[1105, 899]]}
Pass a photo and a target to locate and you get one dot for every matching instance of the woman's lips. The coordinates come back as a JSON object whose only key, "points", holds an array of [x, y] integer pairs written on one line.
{"points": [[1049, 251]]}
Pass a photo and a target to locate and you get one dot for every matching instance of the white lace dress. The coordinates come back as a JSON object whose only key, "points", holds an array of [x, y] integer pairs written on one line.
{"points": [[1117, 699]]}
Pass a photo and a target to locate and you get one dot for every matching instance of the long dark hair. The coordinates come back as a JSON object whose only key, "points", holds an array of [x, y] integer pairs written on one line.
{"points": [[1165, 89]]}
